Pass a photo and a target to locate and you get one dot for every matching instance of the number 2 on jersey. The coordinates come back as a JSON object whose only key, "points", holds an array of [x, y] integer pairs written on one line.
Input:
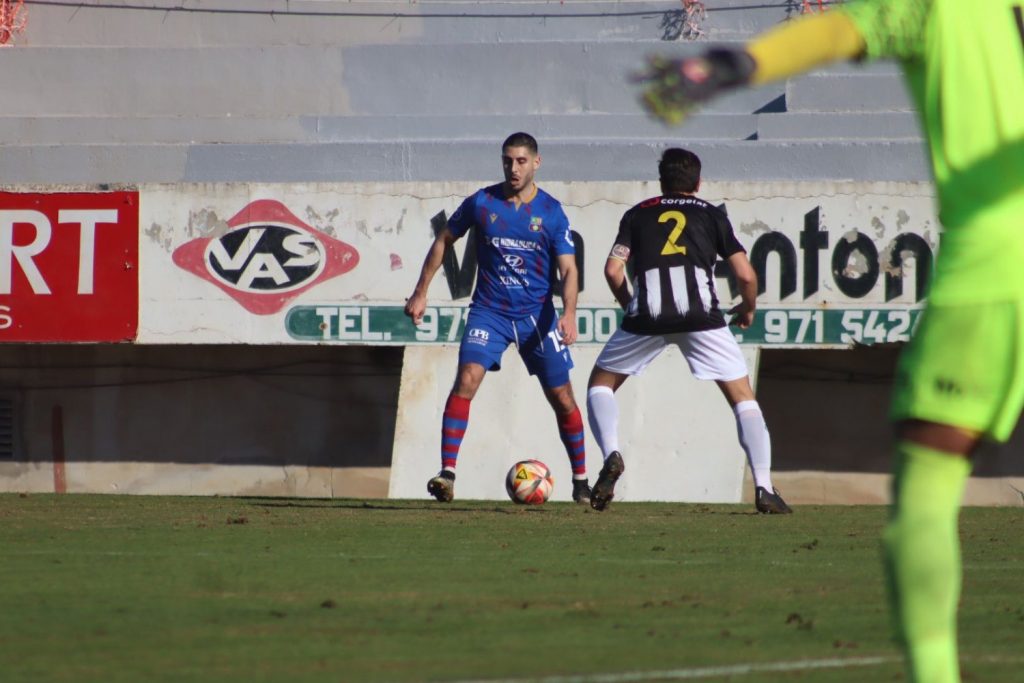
{"points": [[672, 245]]}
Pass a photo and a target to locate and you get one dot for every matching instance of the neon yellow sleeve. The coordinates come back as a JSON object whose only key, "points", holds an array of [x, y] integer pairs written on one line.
{"points": [[803, 44]]}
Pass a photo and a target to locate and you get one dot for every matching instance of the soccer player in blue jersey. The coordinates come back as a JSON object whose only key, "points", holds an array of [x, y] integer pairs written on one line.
{"points": [[522, 237]]}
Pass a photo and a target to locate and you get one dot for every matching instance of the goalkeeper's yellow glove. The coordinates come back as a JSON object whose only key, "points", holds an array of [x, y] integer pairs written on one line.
{"points": [[672, 87]]}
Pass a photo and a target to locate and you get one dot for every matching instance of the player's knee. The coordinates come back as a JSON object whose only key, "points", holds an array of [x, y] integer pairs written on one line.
{"points": [[468, 380], [599, 377], [941, 437], [562, 399], [737, 390]]}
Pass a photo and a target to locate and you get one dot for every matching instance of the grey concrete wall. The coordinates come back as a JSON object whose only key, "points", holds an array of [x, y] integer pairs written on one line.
{"points": [[840, 126], [368, 80], [435, 160], [696, 458], [153, 91], [320, 422], [170, 23], [305, 421], [831, 438]]}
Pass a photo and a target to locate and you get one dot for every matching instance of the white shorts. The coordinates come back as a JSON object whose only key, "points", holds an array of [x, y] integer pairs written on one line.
{"points": [[711, 354]]}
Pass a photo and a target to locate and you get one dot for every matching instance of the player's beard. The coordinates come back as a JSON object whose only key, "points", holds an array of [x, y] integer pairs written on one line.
{"points": [[518, 187]]}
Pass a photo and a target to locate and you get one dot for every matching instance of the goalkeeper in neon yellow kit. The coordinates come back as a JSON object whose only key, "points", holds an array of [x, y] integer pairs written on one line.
{"points": [[961, 379]]}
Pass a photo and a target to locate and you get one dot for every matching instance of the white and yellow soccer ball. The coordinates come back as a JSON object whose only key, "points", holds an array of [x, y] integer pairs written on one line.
{"points": [[529, 482]]}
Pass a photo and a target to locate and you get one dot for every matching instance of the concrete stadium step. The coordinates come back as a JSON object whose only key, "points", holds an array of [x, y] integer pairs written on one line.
{"points": [[839, 126], [391, 90], [51, 130], [442, 160], [170, 23], [172, 82], [176, 129], [848, 91], [594, 127], [561, 78]]}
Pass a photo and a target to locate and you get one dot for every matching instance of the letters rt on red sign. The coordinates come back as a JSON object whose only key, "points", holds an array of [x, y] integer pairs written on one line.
{"points": [[69, 266]]}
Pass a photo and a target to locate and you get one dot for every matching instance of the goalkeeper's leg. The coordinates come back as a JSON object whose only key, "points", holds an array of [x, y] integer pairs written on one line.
{"points": [[959, 380], [922, 550]]}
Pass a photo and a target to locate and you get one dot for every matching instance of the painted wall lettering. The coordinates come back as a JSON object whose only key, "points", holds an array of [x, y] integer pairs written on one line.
{"points": [[258, 253], [854, 267], [69, 266], [266, 257], [855, 263]]}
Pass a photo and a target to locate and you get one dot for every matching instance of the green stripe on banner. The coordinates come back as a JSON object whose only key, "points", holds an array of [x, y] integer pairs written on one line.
{"points": [[445, 325]]}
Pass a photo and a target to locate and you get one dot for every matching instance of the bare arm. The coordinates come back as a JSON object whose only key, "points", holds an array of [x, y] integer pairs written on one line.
{"points": [[615, 275], [570, 293], [416, 304], [746, 278]]}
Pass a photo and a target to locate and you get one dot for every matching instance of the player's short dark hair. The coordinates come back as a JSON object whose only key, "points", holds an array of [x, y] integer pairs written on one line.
{"points": [[679, 171], [520, 140]]}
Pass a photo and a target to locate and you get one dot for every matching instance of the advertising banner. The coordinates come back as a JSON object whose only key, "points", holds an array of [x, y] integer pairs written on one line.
{"points": [[69, 266], [838, 263]]}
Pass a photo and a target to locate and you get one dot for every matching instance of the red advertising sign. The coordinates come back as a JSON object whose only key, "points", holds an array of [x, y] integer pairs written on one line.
{"points": [[69, 266]]}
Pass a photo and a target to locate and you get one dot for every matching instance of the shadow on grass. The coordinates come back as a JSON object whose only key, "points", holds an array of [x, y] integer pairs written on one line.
{"points": [[480, 507], [356, 504]]}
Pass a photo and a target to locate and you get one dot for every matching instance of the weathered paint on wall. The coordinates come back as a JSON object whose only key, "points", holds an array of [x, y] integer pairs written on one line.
{"points": [[340, 259], [268, 264]]}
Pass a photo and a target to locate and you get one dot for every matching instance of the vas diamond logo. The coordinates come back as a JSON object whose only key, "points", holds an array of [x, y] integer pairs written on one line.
{"points": [[266, 257]]}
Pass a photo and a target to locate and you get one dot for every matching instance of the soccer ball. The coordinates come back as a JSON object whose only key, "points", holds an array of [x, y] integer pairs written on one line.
{"points": [[529, 482]]}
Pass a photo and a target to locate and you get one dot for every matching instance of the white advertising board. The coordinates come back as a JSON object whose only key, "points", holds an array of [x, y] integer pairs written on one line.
{"points": [[332, 263]]}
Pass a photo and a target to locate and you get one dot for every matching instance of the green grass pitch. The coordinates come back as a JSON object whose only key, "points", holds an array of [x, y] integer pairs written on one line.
{"points": [[123, 588]]}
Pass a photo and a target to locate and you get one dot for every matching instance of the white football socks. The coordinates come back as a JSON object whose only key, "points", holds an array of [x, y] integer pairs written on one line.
{"points": [[755, 441], [603, 416]]}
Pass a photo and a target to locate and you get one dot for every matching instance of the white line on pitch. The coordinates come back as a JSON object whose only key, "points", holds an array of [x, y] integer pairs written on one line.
{"points": [[702, 672]]}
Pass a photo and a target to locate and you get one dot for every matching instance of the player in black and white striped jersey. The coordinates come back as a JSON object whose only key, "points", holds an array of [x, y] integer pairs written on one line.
{"points": [[672, 243]]}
